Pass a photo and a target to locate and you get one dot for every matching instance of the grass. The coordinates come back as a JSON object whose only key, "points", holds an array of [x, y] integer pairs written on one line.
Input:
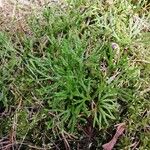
{"points": [[79, 71]]}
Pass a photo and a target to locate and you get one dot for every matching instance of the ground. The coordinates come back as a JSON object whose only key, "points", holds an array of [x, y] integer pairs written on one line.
{"points": [[75, 75]]}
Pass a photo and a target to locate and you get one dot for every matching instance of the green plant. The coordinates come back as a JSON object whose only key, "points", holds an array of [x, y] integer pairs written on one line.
{"points": [[86, 61]]}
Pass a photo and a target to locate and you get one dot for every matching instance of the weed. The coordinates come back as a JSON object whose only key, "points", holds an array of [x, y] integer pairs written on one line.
{"points": [[84, 64]]}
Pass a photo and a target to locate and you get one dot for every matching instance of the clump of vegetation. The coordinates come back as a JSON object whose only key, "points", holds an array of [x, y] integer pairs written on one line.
{"points": [[80, 70]]}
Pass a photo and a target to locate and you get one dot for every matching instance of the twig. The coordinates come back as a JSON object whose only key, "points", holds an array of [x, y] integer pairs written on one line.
{"points": [[65, 141], [27, 144]]}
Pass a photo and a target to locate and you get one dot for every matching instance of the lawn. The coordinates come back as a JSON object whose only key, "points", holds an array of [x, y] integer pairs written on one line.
{"points": [[74, 71]]}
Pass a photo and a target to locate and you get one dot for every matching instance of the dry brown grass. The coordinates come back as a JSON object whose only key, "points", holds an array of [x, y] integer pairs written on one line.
{"points": [[13, 13]]}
